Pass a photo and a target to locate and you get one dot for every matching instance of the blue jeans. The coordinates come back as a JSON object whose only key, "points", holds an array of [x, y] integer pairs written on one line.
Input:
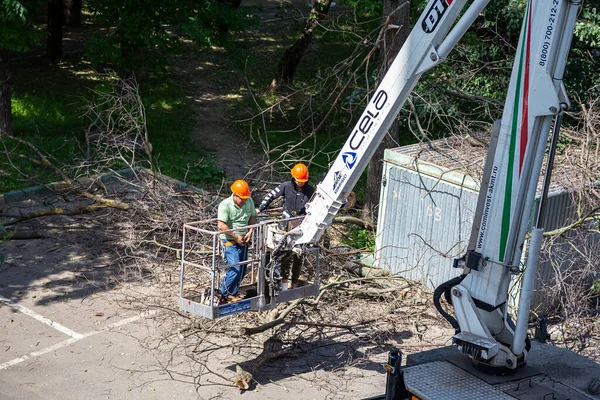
{"points": [[234, 254]]}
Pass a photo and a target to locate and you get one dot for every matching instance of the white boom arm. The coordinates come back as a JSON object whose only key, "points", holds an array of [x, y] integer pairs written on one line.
{"points": [[535, 96], [426, 46]]}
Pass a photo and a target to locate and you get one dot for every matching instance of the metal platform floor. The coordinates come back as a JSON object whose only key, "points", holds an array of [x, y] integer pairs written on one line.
{"points": [[552, 373]]}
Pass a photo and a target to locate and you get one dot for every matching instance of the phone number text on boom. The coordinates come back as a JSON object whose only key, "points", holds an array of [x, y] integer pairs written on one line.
{"points": [[548, 34]]}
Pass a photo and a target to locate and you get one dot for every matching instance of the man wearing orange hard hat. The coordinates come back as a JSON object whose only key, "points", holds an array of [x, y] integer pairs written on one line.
{"points": [[296, 193], [235, 214]]}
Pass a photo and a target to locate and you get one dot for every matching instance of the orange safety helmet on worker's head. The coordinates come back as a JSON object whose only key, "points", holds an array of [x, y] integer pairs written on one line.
{"points": [[241, 189], [300, 172]]}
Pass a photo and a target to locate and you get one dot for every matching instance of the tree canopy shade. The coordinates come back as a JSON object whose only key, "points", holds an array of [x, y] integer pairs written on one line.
{"points": [[17, 32], [481, 63], [141, 33]]}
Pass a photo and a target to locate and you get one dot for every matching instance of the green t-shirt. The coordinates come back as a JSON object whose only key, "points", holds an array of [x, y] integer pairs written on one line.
{"points": [[234, 216]]}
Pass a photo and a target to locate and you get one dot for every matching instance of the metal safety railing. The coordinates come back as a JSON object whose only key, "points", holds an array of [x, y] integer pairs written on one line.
{"points": [[203, 267]]}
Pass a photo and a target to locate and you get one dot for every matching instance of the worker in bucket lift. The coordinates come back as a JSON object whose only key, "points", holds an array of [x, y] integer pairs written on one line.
{"points": [[296, 193], [235, 212]]}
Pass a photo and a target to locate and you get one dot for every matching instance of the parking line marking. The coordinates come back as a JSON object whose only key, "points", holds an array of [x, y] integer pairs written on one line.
{"points": [[69, 342], [56, 346], [40, 318]]}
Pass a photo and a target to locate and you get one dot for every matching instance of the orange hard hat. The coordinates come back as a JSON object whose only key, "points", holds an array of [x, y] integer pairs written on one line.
{"points": [[241, 188], [300, 172]]}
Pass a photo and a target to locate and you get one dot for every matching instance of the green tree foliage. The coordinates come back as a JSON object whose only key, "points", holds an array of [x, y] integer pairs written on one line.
{"points": [[141, 33], [366, 8], [471, 85], [492, 42], [17, 32], [587, 28], [584, 62]]}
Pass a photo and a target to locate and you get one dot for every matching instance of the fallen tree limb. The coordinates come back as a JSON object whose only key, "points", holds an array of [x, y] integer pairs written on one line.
{"points": [[245, 331], [272, 349], [375, 292], [43, 160], [320, 324], [402, 346], [346, 253], [590, 216], [22, 235], [103, 202], [272, 324], [325, 325], [365, 271], [75, 211], [22, 156], [356, 221]]}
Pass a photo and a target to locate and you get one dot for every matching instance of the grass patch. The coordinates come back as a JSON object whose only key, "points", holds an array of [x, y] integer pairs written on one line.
{"points": [[170, 123], [49, 103]]}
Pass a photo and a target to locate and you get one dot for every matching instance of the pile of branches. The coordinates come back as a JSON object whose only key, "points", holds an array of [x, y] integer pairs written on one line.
{"points": [[351, 312], [115, 186], [145, 212], [573, 249]]}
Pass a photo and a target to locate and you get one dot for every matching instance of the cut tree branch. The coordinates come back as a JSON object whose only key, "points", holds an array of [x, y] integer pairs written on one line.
{"points": [[356, 221], [245, 331]]}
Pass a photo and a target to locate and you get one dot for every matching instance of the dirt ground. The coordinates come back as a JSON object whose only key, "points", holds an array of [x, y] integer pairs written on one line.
{"points": [[212, 130], [207, 96], [238, 156]]}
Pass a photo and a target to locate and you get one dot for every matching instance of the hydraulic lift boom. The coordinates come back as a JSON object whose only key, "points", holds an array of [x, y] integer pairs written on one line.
{"points": [[535, 101]]}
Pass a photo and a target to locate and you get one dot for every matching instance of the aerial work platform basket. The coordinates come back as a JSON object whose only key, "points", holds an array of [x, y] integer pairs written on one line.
{"points": [[203, 267]]}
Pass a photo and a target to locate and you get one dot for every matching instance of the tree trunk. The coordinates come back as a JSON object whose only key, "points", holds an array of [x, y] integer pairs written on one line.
{"points": [[72, 12], [54, 28], [223, 28], [132, 64], [293, 55], [397, 25], [5, 94]]}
